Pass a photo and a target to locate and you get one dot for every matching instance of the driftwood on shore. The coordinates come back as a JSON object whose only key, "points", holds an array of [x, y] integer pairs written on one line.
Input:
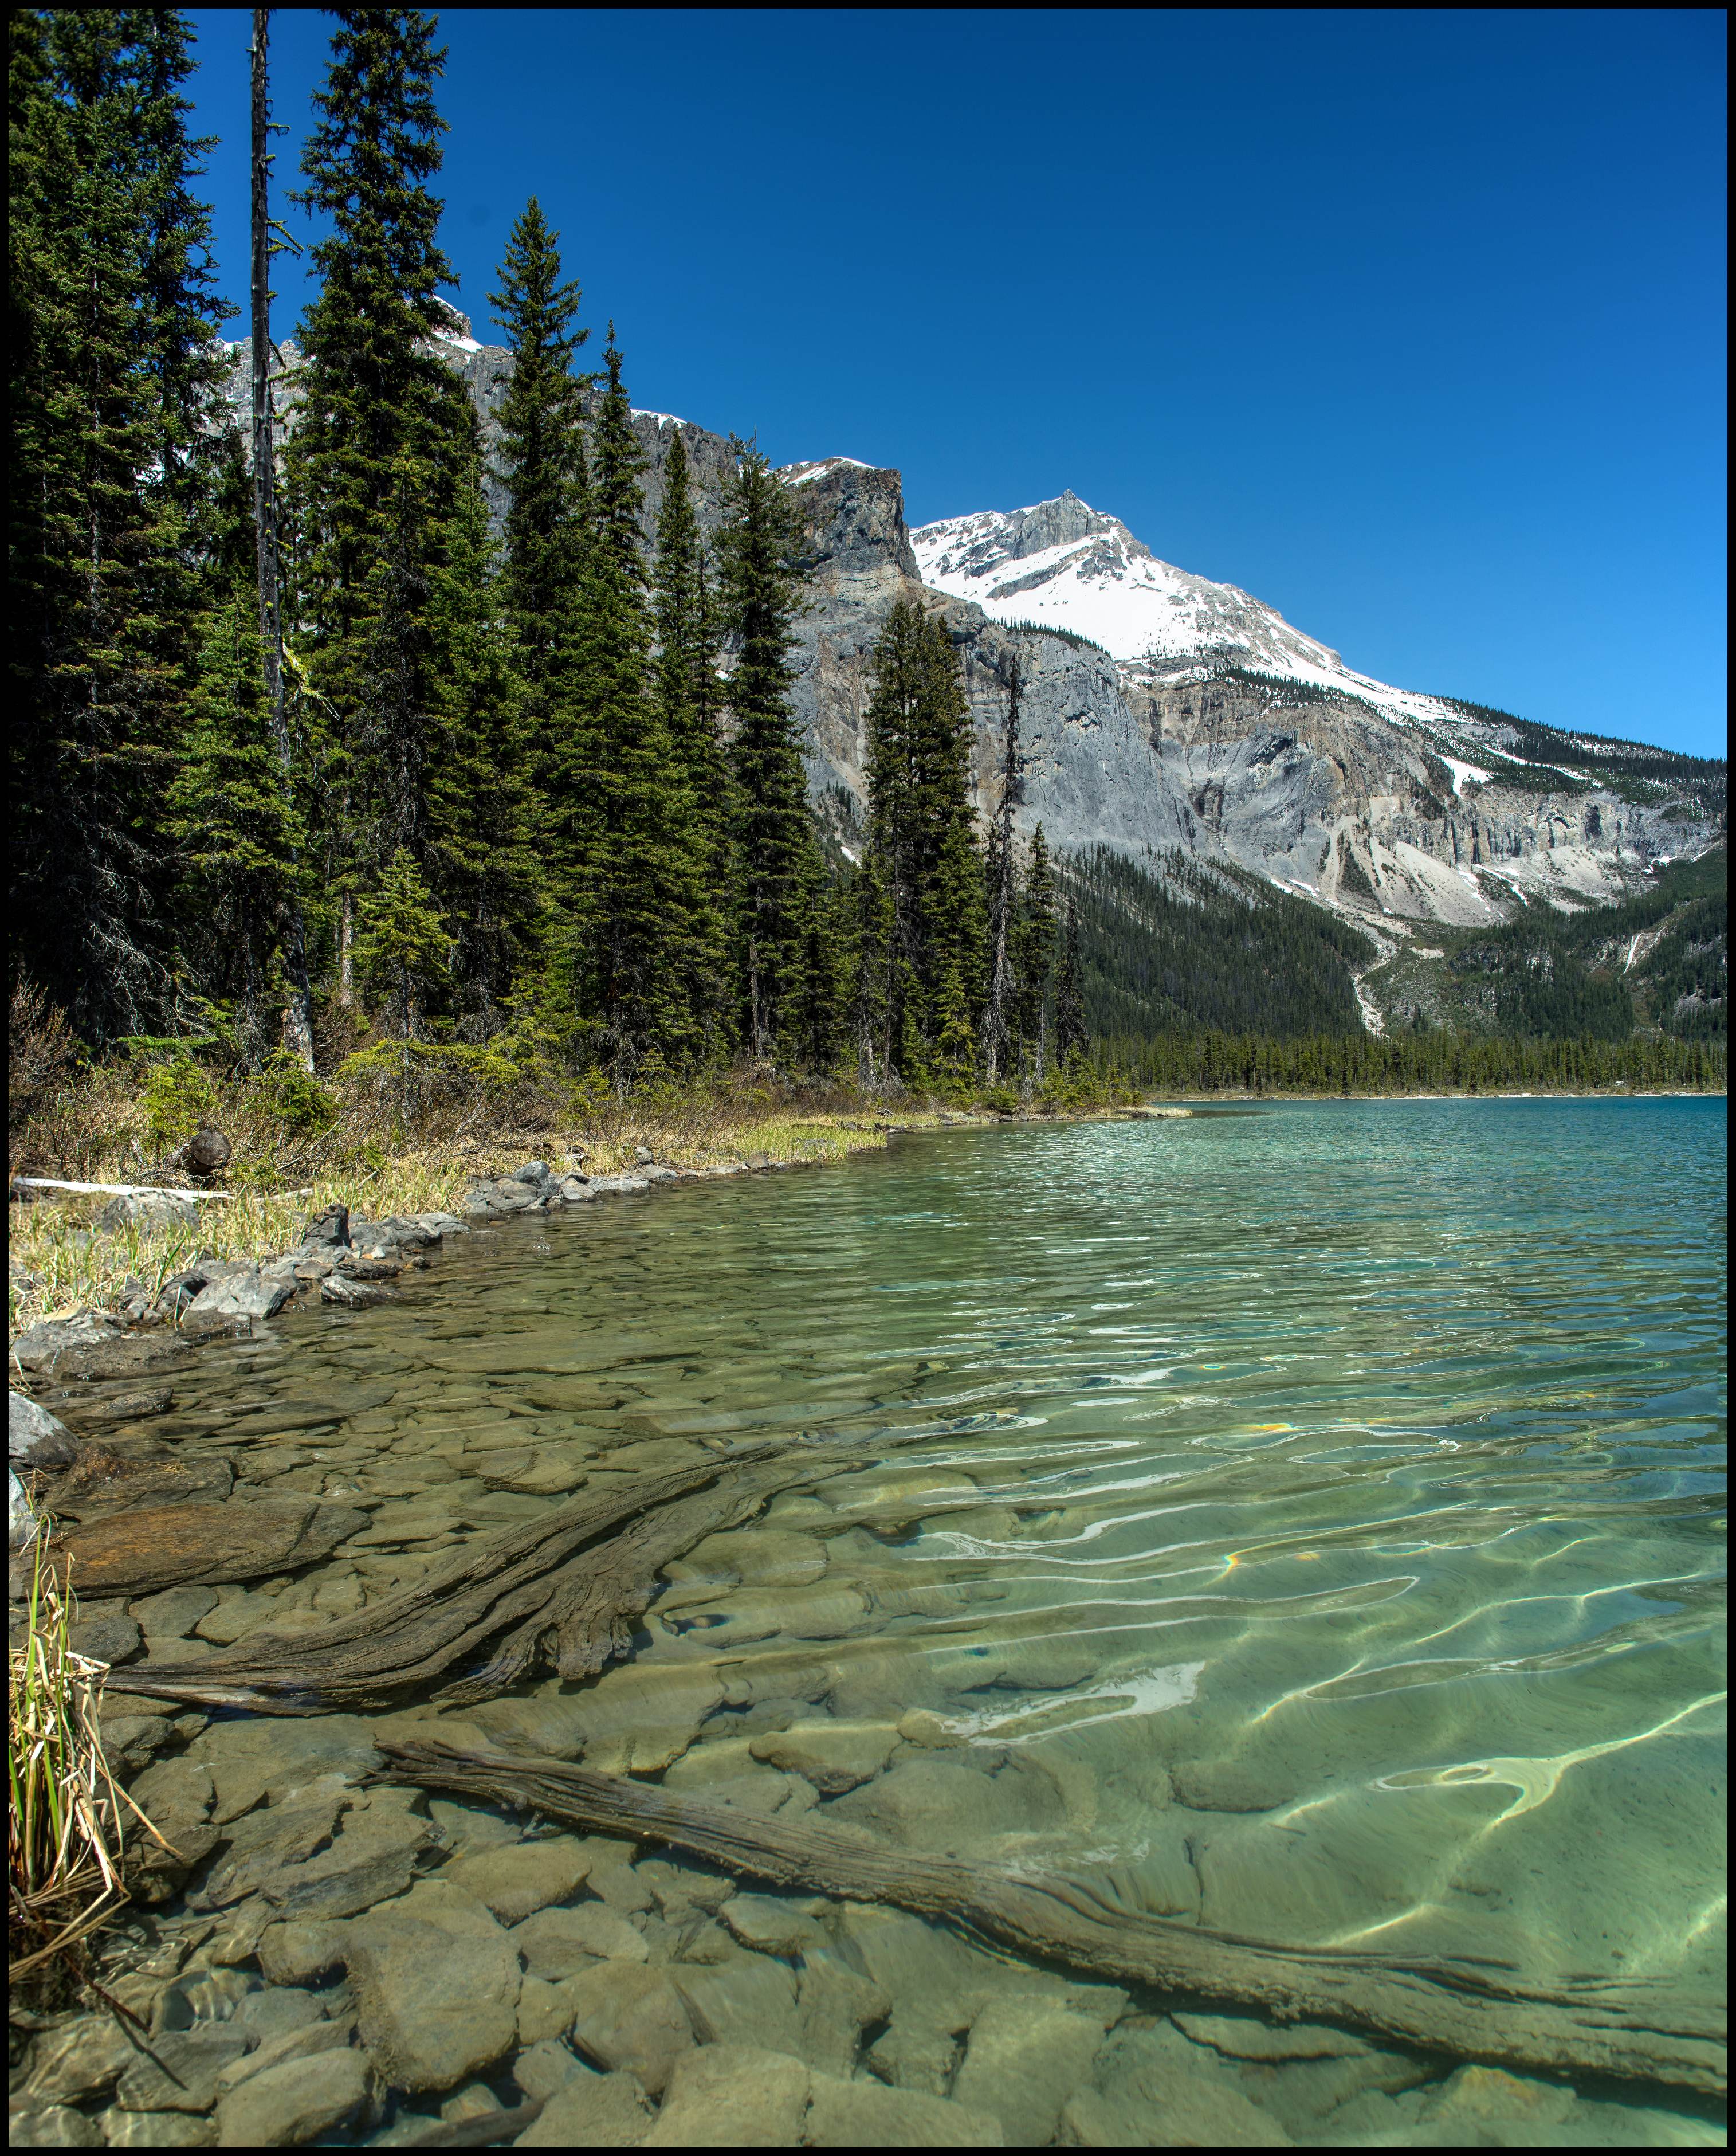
{"points": [[1460, 2008], [565, 1589]]}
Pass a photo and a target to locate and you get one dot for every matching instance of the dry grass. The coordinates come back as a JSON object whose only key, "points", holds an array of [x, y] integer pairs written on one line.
{"points": [[64, 1839]]}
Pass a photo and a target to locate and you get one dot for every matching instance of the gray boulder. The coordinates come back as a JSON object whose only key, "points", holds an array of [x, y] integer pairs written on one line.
{"points": [[535, 1173], [35, 1438], [330, 1228], [247, 1294], [619, 1183], [152, 1210], [576, 1190], [350, 1294]]}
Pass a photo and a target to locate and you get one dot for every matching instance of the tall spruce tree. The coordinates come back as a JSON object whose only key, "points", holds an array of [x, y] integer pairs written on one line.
{"points": [[298, 1014], [687, 699], [1070, 1028], [542, 451], [921, 843], [381, 438], [1034, 962], [633, 892], [1003, 892], [234, 830], [774, 833], [481, 851], [111, 317]]}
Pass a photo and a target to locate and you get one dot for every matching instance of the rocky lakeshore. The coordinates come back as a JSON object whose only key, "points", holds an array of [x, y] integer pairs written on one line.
{"points": [[317, 1953]]}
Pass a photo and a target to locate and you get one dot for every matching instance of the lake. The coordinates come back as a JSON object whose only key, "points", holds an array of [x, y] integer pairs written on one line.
{"points": [[1308, 1518]]}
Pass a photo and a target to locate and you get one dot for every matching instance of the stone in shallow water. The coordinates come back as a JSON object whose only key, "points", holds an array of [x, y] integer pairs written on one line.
{"points": [[542, 2067], [1153, 2086], [434, 2005], [834, 2007], [731, 2096], [591, 2111], [941, 1803], [174, 1613], [834, 1756], [306, 2042], [153, 1546], [255, 1754], [372, 1857], [180, 2074], [558, 1942], [1246, 2036], [107, 1635], [79, 2059], [847, 2114], [1478, 2099], [159, 2129], [54, 2126], [742, 2002], [295, 2102], [545, 2011], [1230, 1786], [630, 2019], [1026, 2056], [515, 1881], [266, 1840], [636, 1717], [769, 1924]]}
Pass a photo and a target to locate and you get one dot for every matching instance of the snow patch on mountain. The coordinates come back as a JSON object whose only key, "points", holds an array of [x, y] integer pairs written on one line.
{"points": [[1065, 565], [801, 475]]}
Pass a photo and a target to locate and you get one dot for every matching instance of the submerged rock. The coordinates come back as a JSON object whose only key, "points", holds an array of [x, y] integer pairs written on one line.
{"points": [[732, 2095], [151, 1546], [847, 2114], [591, 2111], [295, 2102], [514, 1882], [630, 2019]]}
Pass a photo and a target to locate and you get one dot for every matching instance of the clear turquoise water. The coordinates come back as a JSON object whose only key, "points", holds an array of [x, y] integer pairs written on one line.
{"points": [[1310, 1519]]}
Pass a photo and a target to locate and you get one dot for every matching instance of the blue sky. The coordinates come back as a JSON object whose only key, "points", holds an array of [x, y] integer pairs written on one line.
{"points": [[1409, 322]]}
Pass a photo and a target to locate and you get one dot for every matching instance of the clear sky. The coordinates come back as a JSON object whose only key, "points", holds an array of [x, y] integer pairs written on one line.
{"points": [[1410, 323]]}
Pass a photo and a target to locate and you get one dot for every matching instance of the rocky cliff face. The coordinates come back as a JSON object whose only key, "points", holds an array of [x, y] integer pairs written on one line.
{"points": [[1160, 710]]}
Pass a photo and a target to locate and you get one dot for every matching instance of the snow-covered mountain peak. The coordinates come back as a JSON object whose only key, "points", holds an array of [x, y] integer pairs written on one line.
{"points": [[1064, 564]]}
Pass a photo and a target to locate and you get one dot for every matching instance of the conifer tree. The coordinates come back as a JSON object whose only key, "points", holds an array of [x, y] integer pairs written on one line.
{"points": [[921, 843], [402, 950], [774, 833], [111, 317], [1035, 961], [298, 1018], [542, 450], [234, 831], [1003, 881], [481, 811], [686, 694], [633, 892], [1070, 1029], [380, 440]]}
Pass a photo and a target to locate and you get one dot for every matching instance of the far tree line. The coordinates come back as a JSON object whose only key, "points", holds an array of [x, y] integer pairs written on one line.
{"points": [[300, 746]]}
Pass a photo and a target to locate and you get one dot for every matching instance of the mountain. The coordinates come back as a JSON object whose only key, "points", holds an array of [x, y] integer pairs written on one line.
{"points": [[1165, 714]]}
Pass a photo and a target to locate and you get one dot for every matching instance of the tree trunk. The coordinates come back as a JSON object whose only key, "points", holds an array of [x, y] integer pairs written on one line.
{"points": [[298, 1018], [345, 954]]}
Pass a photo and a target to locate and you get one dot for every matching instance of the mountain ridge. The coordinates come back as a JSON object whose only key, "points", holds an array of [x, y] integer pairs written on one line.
{"points": [[1218, 728]]}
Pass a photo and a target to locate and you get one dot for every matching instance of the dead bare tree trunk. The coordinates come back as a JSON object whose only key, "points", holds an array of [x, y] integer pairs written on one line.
{"points": [[1001, 897], [298, 1018]]}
